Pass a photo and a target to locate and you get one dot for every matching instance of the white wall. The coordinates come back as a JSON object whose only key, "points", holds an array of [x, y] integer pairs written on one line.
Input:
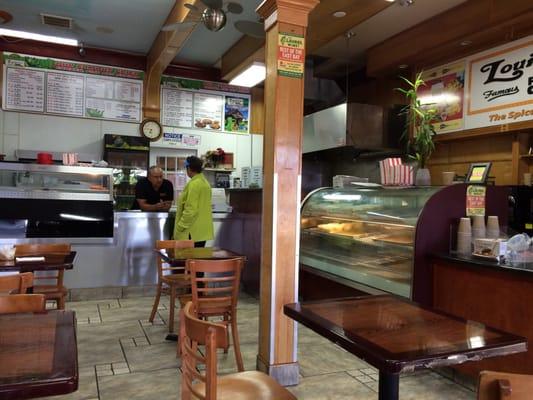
{"points": [[63, 134]]}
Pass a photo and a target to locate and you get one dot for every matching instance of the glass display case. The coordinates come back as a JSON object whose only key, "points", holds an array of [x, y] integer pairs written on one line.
{"points": [[364, 235], [55, 201]]}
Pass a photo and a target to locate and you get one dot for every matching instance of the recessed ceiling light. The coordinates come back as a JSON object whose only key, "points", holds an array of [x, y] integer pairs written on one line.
{"points": [[36, 36], [339, 14], [391, 1], [466, 43], [403, 66], [251, 76]]}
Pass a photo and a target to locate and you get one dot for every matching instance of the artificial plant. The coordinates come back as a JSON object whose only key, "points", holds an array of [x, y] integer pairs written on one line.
{"points": [[420, 120]]}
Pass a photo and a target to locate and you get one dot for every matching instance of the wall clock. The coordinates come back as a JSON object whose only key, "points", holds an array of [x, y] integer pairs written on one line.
{"points": [[151, 129]]}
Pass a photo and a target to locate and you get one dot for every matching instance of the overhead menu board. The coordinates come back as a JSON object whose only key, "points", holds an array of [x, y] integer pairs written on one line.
{"points": [[59, 87], [211, 106]]}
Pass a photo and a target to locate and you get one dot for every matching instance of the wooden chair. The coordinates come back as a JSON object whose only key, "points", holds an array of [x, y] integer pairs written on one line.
{"points": [[170, 279], [16, 284], [55, 290], [252, 385], [21, 303], [504, 386], [215, 290]]}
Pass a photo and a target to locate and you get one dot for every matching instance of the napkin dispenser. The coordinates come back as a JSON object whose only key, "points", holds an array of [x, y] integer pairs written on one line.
{"points": [[490, 247]]}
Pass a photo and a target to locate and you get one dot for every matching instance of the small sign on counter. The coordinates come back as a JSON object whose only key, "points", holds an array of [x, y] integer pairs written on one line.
{"points": [[475, 200]]}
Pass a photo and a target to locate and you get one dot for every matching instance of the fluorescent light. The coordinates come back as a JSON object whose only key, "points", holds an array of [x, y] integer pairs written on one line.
{"points": [[36, 36], [251, 76], [78, 217]]}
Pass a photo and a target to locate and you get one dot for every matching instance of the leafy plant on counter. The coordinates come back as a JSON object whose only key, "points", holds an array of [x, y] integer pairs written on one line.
{"points": [[420, 120], [93, 112]]}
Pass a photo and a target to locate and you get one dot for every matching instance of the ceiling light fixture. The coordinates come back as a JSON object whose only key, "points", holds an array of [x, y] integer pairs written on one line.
{"points": [[39, 37], [251, 76], [339, 14]]}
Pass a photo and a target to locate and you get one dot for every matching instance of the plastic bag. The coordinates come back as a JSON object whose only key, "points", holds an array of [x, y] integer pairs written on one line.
{"points": [[7, 252]]}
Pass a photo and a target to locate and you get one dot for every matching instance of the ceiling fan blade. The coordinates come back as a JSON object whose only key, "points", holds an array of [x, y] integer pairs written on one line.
{"points": [[179, 26], [250, 28], [191, 7], [215, 4], [234, 8]]}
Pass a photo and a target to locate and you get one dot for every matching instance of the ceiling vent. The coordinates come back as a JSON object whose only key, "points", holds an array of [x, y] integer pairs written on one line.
{"points": [[54, 20]]}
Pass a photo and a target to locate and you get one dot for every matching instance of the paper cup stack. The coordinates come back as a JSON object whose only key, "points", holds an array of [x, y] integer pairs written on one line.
{"points": [[464, 236], [478, 229], [493, 227]]}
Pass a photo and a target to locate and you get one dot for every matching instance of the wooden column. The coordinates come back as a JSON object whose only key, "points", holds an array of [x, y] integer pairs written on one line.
{"points": [[281, 192]]}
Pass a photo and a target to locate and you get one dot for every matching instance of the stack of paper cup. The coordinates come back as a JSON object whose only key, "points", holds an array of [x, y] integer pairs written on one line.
{"points": [[464, 236], [478, 228], [493, 227]]}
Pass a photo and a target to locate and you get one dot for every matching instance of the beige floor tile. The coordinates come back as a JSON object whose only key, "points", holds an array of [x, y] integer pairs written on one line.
{"points": [[432, 387], [152, 358], [162, 384], [336, 386]]}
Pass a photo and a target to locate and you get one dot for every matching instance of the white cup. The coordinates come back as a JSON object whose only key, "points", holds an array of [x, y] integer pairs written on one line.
{"points": [[527, 179], [464, 226], [478, 227], [464, 243], [447, 178], [493, 227]]}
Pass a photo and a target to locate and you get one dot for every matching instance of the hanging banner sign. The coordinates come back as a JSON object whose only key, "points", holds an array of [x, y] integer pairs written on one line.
{"points": [[291, 55], [500, 85], [444, 90], [475, 200]]}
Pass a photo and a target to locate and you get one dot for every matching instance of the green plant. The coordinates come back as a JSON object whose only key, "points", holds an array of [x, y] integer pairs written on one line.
{"points": [[420, 120]]}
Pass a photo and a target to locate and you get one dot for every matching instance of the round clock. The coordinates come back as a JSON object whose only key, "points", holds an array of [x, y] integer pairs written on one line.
{"points": [[151, 129]]}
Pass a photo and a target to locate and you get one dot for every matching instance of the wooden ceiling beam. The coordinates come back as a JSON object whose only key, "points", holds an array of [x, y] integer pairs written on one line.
{"points": [[443, 33], [249, 49], [164, 49]]}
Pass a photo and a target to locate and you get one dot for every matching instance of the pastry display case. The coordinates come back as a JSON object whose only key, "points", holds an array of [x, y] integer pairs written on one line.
{"points": [[363, 235]]}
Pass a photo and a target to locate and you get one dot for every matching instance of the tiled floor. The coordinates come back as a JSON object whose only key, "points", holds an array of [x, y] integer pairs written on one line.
{"points": [[123, 356]]}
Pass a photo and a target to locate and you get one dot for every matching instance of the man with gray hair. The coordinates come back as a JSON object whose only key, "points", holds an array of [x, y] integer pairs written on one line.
{"points": [[153, 193]]}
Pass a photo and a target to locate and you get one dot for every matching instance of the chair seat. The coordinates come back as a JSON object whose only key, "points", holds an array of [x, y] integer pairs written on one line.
{"points": [[212, 308], [176, 280], [249, 385]]}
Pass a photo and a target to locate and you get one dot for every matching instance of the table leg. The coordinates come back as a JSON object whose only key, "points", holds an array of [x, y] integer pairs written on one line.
{"points": [[389, 386]]}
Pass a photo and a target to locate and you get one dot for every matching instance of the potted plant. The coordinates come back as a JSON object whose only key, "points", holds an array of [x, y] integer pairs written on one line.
{"points": [[420, 120], [214, 157]]}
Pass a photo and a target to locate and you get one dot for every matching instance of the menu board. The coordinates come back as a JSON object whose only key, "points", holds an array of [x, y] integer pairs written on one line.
{"points": [[44, 85], [177, 106], [208, 111], [24, 90], [64, 94], [194, 104]]}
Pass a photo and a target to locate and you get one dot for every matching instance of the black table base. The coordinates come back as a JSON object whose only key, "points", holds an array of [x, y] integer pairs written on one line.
{"points": [[389, 386]]}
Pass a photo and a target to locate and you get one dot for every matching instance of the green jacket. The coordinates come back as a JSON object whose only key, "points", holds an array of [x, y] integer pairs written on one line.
{"points": [[193, 212]]}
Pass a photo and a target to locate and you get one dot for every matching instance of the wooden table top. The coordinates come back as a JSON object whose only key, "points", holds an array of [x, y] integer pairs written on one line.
{"points": [[50, 262], [173, 255], [38, 354], [397, 335]]}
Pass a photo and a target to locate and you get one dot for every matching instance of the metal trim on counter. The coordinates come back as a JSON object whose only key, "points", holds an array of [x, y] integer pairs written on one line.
{"points": [[58, 168]]}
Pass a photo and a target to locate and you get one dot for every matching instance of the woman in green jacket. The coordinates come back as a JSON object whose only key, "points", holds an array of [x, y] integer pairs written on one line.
{"points": [[194, 220]]}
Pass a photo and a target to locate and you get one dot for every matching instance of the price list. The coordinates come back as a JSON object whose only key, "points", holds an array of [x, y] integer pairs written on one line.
{"points": [[64, 94], [177, 108], [24, 90]]}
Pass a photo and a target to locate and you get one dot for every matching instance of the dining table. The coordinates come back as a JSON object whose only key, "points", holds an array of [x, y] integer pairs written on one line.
{"points": [[38, 354], [44, 262], [396, 335]]}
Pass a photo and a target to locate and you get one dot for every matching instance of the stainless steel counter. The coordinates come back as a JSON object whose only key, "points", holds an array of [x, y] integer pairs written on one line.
{"points": [[128, 258]]}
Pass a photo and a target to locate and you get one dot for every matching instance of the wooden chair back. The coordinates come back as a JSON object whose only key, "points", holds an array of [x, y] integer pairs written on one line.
{"points": [[215, 284], [162, 267], [212, 336], [16, 284], [504, 386], [30, 249], [21, 303]]}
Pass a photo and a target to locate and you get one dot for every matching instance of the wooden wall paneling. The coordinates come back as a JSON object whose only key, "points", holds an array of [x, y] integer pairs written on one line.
{"points": [[500, 299], [520, 147]]}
